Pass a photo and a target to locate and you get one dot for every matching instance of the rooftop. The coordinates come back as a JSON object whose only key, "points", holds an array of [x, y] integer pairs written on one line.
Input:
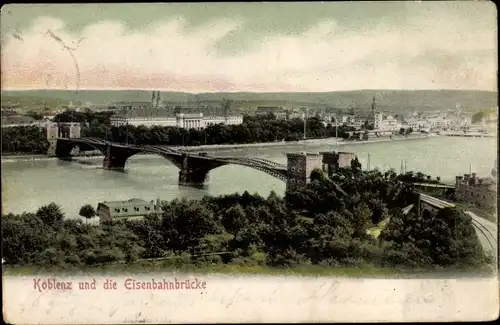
{"points": [[6, 120], [127, 203]]}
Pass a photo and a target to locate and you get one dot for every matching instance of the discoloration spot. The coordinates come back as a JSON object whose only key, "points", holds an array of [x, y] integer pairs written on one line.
{"points": [[75, 62]]}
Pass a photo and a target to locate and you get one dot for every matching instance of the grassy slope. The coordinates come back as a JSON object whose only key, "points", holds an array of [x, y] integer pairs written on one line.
{"points": [[377, 229], [148, 267]]}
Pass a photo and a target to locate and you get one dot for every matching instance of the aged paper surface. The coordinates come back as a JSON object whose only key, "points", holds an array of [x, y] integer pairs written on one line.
{"points": [[249, 162]]}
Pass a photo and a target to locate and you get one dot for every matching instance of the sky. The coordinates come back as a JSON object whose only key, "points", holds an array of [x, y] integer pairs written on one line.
{"points": [[256, 47]]}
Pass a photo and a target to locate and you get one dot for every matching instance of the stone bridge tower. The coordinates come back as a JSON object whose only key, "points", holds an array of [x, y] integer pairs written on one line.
{"points": [[51, 131], [69, 130], [332, 161], [300, 166]]}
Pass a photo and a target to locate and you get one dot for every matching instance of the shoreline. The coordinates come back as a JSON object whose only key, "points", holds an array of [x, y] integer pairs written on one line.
{"points": [[222, 147], [215, 147]]}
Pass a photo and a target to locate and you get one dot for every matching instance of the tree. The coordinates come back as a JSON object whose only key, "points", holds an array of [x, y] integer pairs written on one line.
{"points": [[325, 222], [234, 219], [318, 174], [87, 211], [51, 215], [355, 165]]}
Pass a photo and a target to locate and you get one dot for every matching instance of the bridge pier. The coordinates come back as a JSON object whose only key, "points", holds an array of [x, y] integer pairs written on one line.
{"points": [[192, 173], [113, 163], [194, 168], [116, 157], [192, 177]]}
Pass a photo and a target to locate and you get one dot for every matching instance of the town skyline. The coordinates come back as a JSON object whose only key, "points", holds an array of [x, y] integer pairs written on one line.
{"points": [[198, 48]]}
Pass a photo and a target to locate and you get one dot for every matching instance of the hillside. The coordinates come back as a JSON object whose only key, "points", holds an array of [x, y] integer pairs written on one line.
{"points": [[399, 101]]}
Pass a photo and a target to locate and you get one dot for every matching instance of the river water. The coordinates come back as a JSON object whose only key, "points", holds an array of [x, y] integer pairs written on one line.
{"points": [[27, 185]]}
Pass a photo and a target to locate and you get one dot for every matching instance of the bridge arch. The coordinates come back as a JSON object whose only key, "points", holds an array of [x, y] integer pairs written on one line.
{"points": [[64, 147], [266, 170], [171, 159], [202, 165], [426, 213], [193, 168]]}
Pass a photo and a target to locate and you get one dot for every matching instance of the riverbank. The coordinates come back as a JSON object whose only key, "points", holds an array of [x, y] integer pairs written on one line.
{"points": [[340, 142], [218, 147], [470, 135]]}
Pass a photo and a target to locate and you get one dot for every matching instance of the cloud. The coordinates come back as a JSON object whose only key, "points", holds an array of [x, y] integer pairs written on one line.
{"points": [[418, 53]]}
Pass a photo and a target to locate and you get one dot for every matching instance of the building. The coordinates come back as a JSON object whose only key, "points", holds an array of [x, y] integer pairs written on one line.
{"points": [[19, 120], [418, 124], [333, 160], [293, 114], [278, 111], [181, 120], [118, 120], [386, 123], [300, 166], [49, 115], [69, 130], [59, 130], [439, 122], [347, 119], [481, 192], [356, 121], [133, 209], [227, 120], [190, 121]]}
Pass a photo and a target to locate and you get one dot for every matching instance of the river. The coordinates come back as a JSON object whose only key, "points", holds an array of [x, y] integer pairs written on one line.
{"points": [[27, 185]]}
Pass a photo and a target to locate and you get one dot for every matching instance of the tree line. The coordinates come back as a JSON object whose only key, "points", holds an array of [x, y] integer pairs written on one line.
{"points": [[330, 223], [252, 130], [24, 139]]}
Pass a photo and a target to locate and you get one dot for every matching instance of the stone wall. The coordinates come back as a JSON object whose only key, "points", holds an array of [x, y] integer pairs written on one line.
{"points": [[300, 166]]}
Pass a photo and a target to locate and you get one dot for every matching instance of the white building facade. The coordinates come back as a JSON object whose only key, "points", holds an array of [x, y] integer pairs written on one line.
{"points": [[440, 122], [184, 121], [387, 123], [418, 124]]}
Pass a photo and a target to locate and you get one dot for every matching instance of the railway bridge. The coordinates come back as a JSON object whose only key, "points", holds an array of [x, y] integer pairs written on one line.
{"points": [[195, 167]]}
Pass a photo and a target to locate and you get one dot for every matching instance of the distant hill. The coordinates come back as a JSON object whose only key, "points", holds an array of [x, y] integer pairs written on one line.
{"points": [[397, 101]]}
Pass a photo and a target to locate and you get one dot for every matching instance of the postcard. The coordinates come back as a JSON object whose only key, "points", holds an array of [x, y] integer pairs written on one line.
{"points": [[249, 162]]}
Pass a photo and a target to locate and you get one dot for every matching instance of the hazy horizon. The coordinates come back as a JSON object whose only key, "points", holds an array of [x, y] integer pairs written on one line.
{"points": [[250, 47]]}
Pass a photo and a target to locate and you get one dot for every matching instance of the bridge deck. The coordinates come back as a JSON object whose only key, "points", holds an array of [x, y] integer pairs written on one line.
{"points": [[434, 185], [268, 166], [438, 203]]}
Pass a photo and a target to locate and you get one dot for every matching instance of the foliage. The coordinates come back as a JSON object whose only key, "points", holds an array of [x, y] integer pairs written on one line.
{"points": [[323, 224], [87, 211], [24, 139], [445, 239], [254, 129]]}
